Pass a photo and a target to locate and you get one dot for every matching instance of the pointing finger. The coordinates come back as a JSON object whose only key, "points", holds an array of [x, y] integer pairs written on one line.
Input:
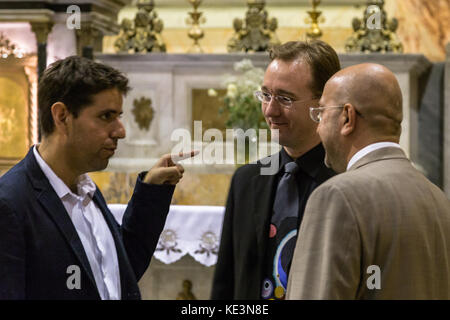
{"points": [[184, 155]]}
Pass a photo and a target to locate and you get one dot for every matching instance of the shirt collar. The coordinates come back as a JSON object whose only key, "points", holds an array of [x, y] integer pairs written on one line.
{"points": [[310, 162], [370, 148], [85, 185]]}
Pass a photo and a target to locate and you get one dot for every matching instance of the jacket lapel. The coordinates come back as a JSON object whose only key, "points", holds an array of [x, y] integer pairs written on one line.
{"points": [[57, 212], [263, 193]]}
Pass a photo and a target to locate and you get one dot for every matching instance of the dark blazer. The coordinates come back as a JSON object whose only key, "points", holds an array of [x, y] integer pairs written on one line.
{"points": [[238, 273], [38, 240]]}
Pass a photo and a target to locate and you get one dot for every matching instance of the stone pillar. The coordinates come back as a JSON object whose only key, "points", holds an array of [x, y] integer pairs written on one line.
{"points": [[41, 30], [446, 159], [89, 40]]}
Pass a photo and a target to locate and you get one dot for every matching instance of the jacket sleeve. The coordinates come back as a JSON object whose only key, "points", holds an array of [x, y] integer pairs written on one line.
{"points": [[223, 280], [12, 255], [327, 256], [143, 222]]}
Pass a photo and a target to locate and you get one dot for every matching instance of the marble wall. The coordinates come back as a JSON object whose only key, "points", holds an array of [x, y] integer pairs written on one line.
{"points": [[424, 25]]}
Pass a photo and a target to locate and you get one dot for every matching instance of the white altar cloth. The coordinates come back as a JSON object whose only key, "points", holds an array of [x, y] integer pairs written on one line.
{"points": [[189, 229]]}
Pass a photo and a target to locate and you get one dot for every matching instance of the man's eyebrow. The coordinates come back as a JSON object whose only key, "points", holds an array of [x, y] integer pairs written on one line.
{"points": [[284, 93], [279, 91], [110, 111]]}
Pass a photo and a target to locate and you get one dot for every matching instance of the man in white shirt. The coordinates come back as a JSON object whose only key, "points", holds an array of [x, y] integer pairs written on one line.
{"points": [[58, 240], [380, 229]]}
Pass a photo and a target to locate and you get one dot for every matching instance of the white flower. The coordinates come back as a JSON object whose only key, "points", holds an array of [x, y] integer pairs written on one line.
{"points": [[244, 65], [212, 93], [232, 90]]}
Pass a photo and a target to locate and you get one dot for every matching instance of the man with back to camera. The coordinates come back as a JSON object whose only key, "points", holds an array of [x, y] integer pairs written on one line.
{"points": [[263, 212], [58, 240], [379, 230]]}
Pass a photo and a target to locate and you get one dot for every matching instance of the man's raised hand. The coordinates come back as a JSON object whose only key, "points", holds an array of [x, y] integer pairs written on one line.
{"points": [[167, 170]]}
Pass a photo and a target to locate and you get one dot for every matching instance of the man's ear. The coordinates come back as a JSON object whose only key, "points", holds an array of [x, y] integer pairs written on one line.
{"points": [[60, 115], [348, 119]]}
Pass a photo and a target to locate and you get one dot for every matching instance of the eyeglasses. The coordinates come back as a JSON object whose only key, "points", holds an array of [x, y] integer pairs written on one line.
{"points": [[316, 112], [284, 101]]}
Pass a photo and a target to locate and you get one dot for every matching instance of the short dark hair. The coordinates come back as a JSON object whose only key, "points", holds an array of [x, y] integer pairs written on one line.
{"points": [[319, 55], [73, 81]]}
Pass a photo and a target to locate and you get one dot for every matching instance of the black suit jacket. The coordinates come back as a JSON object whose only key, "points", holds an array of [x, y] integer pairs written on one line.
{"points": [[38, 240], [238, 273]]}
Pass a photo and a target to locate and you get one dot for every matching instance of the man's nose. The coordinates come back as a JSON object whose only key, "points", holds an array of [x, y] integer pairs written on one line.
{"points": [[119, 130], [272, 108]]}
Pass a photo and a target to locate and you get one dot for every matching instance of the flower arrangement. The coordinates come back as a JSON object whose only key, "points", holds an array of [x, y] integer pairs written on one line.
{"points": [[243, 108]]}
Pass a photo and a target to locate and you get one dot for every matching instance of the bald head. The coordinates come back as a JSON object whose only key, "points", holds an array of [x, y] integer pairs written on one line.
{"points": [[375, 93]]}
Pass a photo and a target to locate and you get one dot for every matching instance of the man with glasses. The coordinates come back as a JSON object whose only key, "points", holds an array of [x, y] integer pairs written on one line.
{"points": [[263, 212], [379, 230]]}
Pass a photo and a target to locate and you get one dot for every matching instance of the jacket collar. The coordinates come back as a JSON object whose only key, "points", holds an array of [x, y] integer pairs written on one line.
{"points": [[379, 154], [312, 163]]}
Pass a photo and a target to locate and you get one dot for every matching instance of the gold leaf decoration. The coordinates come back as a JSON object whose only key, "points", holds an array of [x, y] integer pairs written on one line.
{"points": [[143, 112]]}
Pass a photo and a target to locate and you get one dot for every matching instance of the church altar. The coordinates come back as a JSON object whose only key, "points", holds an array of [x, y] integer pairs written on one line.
{"points": [[187, 250], [193, 230]]}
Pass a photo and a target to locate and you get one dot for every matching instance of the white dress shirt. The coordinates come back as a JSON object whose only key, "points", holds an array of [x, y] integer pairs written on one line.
{"points": [[370, 148], [92, 229]]}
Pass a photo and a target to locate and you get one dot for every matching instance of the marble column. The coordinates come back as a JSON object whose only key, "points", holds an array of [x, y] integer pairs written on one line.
{"points": [[89, 40], [41, 30]]}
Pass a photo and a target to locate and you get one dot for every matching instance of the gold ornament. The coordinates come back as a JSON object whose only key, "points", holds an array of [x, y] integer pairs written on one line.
{"points": [[256, 33], [375, 32], [143, 112], [195, 33], [314, 18], [144, 35], [7, 48]]}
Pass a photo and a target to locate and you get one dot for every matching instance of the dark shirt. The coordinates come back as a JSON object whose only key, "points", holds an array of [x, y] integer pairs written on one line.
{"points": [[312, 172]]}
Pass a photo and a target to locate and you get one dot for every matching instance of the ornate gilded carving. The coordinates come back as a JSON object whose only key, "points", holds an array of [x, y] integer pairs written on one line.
{"points": [[256, 32], [41, 30], [89, 35], [7, 48], [195, 33], [18, 108], [314, 18], [144, 35], [375, 32], [143, 112]]}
